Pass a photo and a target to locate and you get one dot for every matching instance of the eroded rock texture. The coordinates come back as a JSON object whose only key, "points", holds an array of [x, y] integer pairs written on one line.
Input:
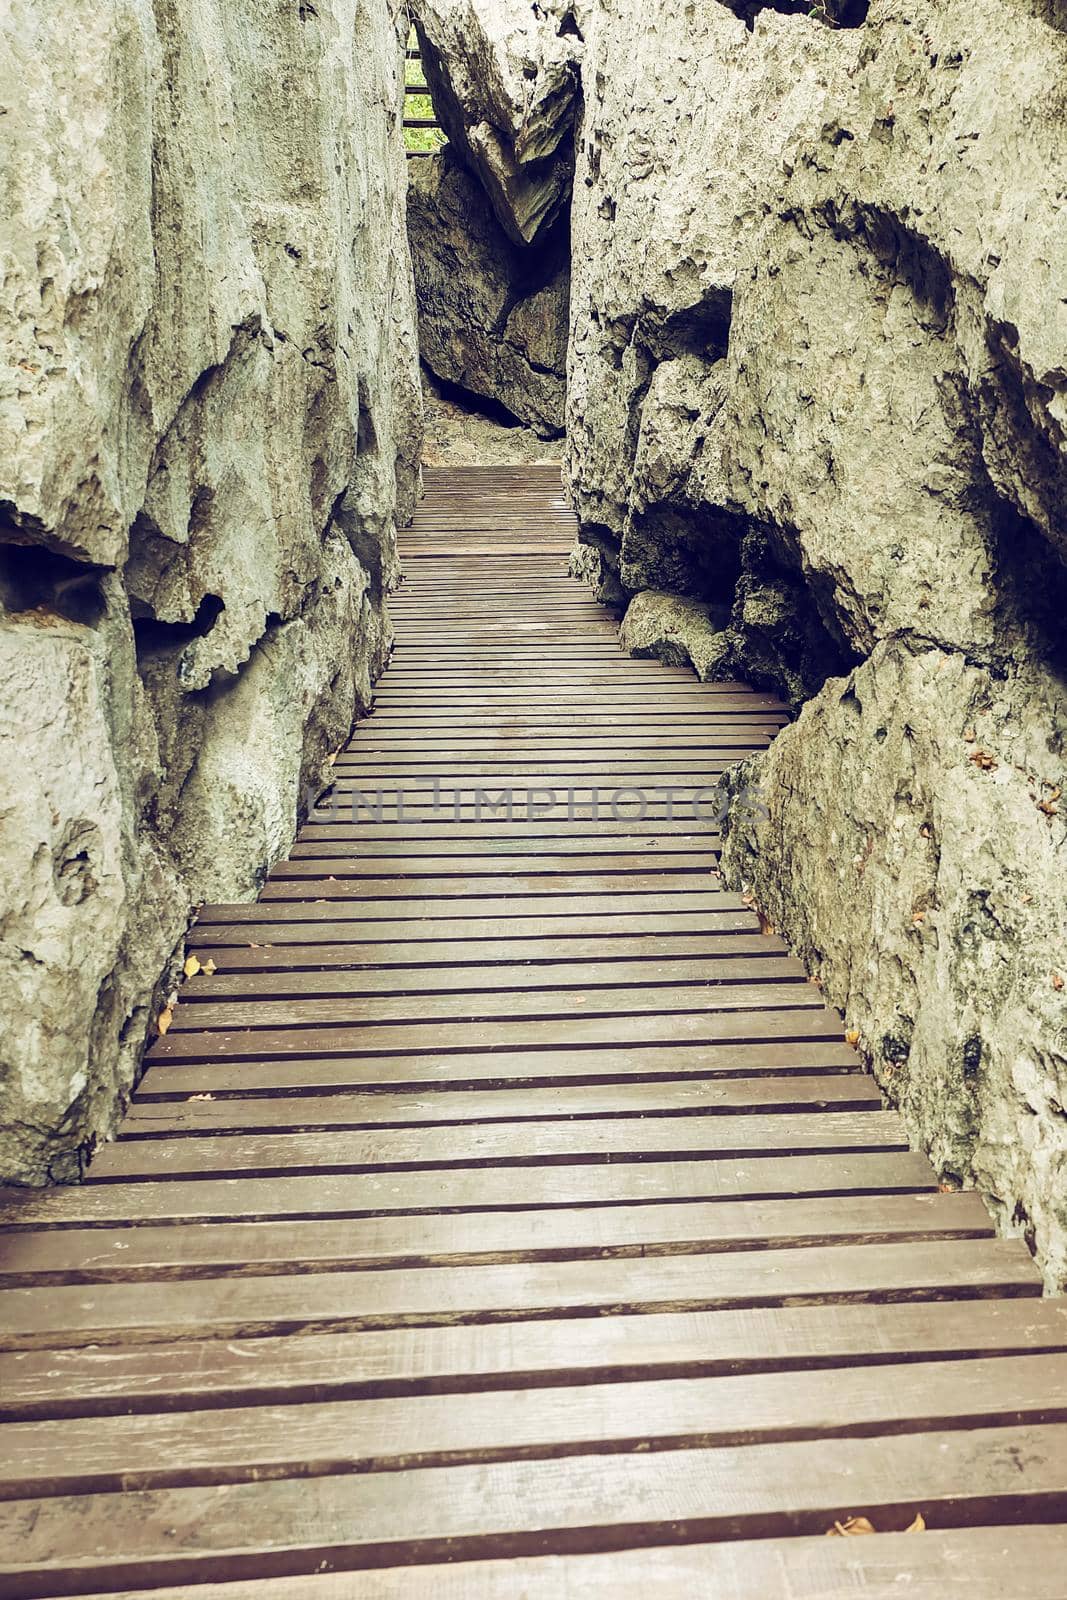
{"points": [[492, 315], [819, 379], [503, 75], [208, 431]]}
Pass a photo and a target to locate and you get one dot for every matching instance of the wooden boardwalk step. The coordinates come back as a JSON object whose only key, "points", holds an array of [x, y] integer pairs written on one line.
{"points": [[504, 1216], [969, 1564], [591, 1503]]}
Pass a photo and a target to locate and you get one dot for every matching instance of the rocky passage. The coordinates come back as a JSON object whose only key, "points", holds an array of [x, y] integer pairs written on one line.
{"points": [[504, 1213], [210, 428]]}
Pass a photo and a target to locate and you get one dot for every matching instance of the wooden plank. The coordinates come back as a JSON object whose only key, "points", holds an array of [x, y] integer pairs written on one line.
{"points": [[607, 1065], [230, 1112], [491, 832], [701, 1136], [109, 1314], [532, 956], [292, 924], [349, 843], [597, 720], [415, 906], [574, 885], [444, 777], [535, 742], [102, 1255], [975, 1564], [104, 1455], [562, 1004], [325, 1194], [658, 771], [593, 1503], [574, 1032], [344, 858], [198, 1375], [454, 979]]}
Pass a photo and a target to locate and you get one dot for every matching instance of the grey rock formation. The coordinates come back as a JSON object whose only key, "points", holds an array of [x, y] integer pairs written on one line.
{"points": [[209, 430], [503, 76], [457, 435], [819, 377], [492, 316], [674, 629]]}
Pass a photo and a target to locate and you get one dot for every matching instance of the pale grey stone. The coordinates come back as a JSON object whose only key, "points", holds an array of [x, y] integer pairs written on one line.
{"points": [[209, 427], [676, 630], [504, 76], [492, 316], [819, 320]]}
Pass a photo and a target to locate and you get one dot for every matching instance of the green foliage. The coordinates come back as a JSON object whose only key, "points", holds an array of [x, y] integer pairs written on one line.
{"points": [[419, 106], [423, 140]]}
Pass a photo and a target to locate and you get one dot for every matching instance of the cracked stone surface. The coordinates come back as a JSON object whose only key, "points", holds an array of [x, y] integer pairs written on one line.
{"points": [[492, 317], [818, 378], [209, 429]]}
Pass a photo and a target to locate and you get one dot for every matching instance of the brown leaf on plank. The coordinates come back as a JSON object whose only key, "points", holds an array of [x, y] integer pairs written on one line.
{"points": [[851, 1528]]}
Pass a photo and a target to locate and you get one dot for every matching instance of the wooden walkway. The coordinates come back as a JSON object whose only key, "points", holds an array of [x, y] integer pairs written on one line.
{"points": [[505, 1215]]}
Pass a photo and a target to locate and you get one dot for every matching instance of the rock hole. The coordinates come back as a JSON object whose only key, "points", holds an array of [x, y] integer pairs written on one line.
{"points": [[475, 405], [72, 862], [831, 13], [366, 432], [33, 579], [153, 637]]}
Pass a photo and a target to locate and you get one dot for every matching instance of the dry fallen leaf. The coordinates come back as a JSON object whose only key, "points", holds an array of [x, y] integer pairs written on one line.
{"points": [[191, 967], [918, 1526], [766, 926], [969, 735], [209, 968], [166, 1017], [983, 760], [850, 1528], [1057, 981], [852, 1037], [193, 1097]]}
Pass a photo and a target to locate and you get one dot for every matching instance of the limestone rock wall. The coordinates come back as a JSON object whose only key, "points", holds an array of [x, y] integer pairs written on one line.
{"points": [[493, 316], [818, 388], [504, 79], [209, 429]]}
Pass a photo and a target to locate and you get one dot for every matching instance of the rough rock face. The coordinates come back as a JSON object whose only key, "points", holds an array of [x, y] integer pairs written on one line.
{"points": [[209, 428], [492, 316], [503, 76], [676, 630], [819, 377]]}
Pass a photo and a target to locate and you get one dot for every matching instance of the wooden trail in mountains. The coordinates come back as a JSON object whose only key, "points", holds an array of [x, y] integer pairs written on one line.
{"points": [[504, 1213]]}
